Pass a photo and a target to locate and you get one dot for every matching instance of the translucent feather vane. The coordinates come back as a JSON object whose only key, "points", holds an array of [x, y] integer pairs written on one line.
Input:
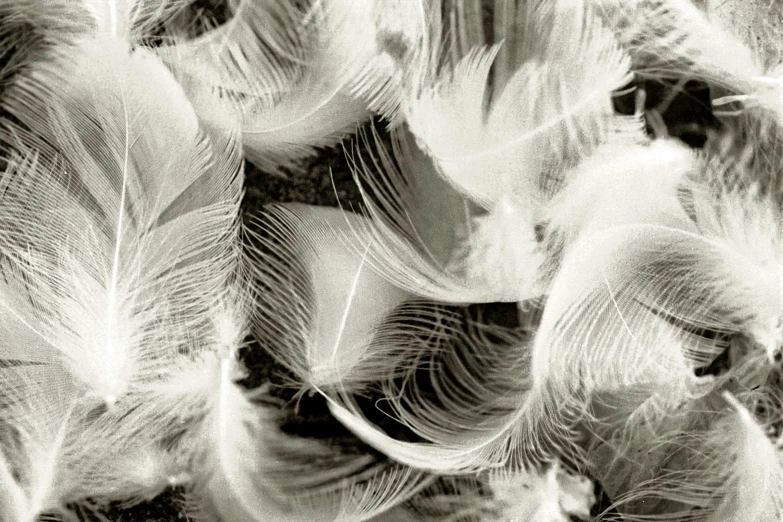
{"points": [[122, 256], [543, 281]]}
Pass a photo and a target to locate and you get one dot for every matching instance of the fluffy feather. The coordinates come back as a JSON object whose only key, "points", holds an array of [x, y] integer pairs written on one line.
{"points": [[627, 181], [418, 224], [472, 408], [34, 431], [55, 449], [751, 469], [703, 463], [117, 279], [673, 38], [336, 302], [33, 420], [655, 298], [306, 82], [505, 159], [131, 21], [551, 496], [337, 349], [245, 464]]}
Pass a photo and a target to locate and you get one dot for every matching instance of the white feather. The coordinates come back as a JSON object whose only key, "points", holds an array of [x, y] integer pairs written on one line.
{"points": [[244, 467], [418, 227], [540, 112], [118, 277], [520, 428], [335, 301], [503, 152], [35, 425], [625, 182], [702, 463], [300, 80], [551, 496], [131, 20], [752, 467], [673, 38]]}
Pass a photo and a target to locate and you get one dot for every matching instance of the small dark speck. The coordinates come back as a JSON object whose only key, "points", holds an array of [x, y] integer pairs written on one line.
{"points": [[394, 44]]}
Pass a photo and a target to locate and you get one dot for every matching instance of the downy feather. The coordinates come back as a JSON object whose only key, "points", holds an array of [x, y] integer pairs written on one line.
{"points": [[417, 223], [33, 420], [55, 449], [35, 439], [131, 21], [298, 80], [512, 146], [751, 468], [359, 346], [334, 301], [111, 219], [466, 422], [673, 38], [608, 325], [553, 495], [628, 180], [504, 159], [703, 464], [244, 467]]}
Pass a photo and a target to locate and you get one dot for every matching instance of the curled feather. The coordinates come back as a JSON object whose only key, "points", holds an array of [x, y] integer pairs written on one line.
{"points": [[504, 160], [302, 84]]}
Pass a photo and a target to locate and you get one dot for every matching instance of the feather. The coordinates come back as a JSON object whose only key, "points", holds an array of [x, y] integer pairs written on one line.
{"points": [[55, 451], [703, 464], [245, 463], [616, 328], [32, 419], [336, 302], [401, 32], [449, 498], [679, 287], [27, 31], [751, 467], [739, 224], [418, 223], [34, 428], [503, 159], [551, 496], [673, 38], [472, 409], [760, 31], [626, 181], [609, 325], [304, 81], [131, 21], [364, 345], [488, 140], [117, 278]]}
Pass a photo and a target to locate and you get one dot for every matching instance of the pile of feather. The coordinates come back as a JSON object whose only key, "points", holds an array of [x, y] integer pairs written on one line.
{"points": [[549, 306]]}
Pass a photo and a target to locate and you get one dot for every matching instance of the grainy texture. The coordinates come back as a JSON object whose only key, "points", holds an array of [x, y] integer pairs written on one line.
{"points": [[756, 22]]}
